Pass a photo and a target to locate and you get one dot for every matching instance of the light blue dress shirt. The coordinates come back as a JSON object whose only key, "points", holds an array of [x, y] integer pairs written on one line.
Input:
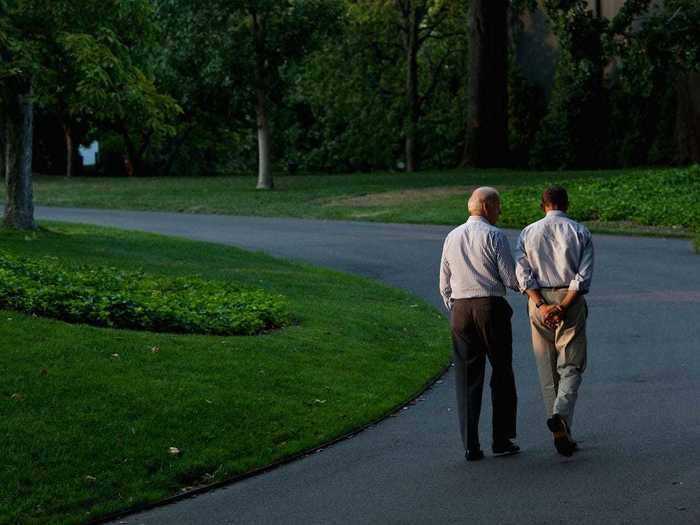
{"points": [[555, 252], [476, 262]]}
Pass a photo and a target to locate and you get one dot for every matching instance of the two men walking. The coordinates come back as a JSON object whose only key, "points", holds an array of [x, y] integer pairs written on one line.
{"points": [[554, 268]]}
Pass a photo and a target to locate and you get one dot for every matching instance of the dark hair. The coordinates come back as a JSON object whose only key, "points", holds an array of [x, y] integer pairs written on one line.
{"points": [[556, 197]]}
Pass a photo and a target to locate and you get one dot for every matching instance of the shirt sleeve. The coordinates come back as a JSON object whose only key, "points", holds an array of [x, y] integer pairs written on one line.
{"points": [[582, 280], [445, 274], [523, 270], [506, 264]]}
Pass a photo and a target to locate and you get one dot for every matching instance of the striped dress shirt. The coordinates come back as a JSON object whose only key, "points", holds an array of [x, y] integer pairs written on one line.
{"points": [[555, 252], [476, 262]]}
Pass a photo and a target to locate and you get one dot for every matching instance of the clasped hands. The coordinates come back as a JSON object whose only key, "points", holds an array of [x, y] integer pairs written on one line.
{"points": [[553, 315]]}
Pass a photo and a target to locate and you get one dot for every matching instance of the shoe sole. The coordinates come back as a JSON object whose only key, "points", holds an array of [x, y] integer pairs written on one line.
{"points": [[507, 453], [561, 438]]}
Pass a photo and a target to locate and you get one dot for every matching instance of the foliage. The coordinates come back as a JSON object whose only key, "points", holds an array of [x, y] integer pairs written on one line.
{"points": [[353, 91], [527, 106], [115, 298], [652, 61], [208, 63], [573, 131], [662, 198], [614, 99], [87, 61]]}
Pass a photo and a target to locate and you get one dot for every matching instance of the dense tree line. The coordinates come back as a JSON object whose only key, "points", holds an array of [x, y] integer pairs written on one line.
{"points": [[179, 87]]}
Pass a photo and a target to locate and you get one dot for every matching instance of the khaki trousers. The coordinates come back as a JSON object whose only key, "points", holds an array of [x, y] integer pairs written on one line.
{"points": [[560, 354]]}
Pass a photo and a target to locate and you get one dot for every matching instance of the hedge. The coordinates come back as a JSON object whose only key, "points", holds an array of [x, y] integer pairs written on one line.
{"points": [[108, 297]]}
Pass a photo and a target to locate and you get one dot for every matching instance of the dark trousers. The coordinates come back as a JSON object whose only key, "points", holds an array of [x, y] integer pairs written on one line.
{"points": [[480, 329]]}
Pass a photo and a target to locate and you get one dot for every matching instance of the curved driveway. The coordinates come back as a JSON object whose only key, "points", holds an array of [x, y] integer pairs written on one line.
{"points": [[638, 420]]}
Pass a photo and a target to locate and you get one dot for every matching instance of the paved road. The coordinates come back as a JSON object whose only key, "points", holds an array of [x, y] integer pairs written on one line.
{"points": [[638, 420]]}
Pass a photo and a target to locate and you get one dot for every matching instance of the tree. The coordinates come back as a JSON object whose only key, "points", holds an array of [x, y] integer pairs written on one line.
{"points": [[16, 115], [395, 70], [101, 66], [258, 40], [420, 20], [486, 142]]}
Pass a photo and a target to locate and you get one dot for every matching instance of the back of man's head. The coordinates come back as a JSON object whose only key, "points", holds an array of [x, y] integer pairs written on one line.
{"points": [[481, 196], [555, 198]]}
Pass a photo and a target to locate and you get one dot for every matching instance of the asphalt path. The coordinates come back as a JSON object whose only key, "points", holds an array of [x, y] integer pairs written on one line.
{"points": [[637, 422]]}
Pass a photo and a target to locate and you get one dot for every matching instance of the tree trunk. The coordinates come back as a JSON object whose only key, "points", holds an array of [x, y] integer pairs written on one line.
{"points": [[486, 143], [411, 88], [19, 129], [264, 169], [3, 118], [133, 164], [686, 136], [261, 107], [67, 132]]}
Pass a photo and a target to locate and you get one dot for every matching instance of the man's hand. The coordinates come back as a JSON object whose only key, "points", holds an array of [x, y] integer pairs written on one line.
{"points": [[552, 314]]}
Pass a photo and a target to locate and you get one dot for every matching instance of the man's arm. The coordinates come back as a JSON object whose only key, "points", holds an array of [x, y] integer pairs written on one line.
{"points": [[523, 271], [445, 274], [529, 285], [505, 262], [584, 274]]}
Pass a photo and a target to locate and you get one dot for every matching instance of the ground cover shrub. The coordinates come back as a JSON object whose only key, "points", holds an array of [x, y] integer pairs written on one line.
{"points": [[658, 198], [110, 297]]}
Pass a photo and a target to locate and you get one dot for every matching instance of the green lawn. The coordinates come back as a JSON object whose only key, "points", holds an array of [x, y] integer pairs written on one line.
{"points": [[89, 414], [665, 201]]}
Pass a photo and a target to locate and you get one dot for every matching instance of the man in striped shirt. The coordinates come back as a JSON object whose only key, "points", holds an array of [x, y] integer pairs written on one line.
{"points": [[475, 270], [555, 268]]}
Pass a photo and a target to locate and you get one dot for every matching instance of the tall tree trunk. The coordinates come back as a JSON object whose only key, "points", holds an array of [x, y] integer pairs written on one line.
{"points": [[19, 129], [487, 129], [68, 134], [261, 107], [686, 135], [3, 118], [411, 88], [264, 165]]}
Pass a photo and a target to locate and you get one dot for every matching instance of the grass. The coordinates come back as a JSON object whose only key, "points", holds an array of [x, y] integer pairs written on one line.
{"points": [[646, 201], [89, 414]]}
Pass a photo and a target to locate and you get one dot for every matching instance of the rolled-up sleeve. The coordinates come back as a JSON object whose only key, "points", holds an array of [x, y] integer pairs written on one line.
{"points": [[506, 264], [584, 274], [445, 274], [523, 270]]}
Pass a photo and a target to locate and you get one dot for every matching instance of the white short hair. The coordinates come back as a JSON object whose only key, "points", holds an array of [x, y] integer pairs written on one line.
{"points": [[480, 196]]}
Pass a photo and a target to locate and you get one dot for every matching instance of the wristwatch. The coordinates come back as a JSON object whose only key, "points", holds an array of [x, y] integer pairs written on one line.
{"points": [[539, 304]]}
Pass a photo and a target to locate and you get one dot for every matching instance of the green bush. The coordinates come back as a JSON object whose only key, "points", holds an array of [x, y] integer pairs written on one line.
{"points": [[114, 298]]}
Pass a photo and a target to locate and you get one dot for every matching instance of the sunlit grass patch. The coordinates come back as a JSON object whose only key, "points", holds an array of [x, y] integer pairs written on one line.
{"points": [[97, 419]]}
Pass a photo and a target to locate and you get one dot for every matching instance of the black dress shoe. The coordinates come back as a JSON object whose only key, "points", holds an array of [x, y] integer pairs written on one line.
{"points": [[507, 448], [562, 440], [474, 455]]}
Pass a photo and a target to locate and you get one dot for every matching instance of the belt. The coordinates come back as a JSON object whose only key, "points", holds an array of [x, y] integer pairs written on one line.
{"points": [[554, 288]]}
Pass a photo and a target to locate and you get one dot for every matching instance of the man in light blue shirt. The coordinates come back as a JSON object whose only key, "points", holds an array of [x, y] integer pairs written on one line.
{"points": [[555, 268], [475, 270]]}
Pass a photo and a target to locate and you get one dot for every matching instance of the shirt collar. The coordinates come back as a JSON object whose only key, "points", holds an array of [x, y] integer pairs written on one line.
{"points": [[477, 218], [556, 213]]}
